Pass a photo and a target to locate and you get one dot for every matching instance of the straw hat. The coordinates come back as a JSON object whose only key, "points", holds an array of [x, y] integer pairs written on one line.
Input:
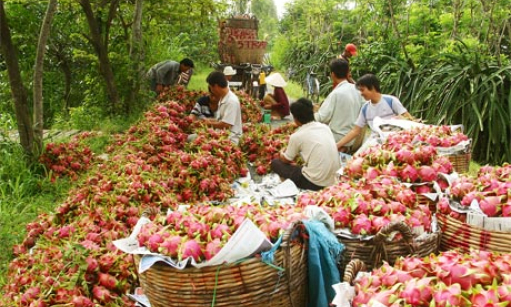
{"points": [[276, 80], [229, 71]]}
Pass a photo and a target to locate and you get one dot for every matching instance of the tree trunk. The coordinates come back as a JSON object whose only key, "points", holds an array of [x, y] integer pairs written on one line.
{"points": [[18, 91], [38, 76], [457, 14], [64, 66], [136, 54], [101, 47], [398, 35]]}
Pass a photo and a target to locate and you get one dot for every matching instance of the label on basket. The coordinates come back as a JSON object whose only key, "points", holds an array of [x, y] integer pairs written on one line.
{"points": [[344, 294], [502, 224]]}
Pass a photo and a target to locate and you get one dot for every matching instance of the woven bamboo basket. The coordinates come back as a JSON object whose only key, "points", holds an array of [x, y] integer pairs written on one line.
{"points": [[462, 236], [244, 21], [378, 249], [460, 162], [248, 283], [423, 200], [352, 269], [249, 55]]}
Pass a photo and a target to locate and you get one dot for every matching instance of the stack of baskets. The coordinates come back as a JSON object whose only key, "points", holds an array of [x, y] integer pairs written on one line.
{"points": [[379, 248], [247, 283], [239, 40]]}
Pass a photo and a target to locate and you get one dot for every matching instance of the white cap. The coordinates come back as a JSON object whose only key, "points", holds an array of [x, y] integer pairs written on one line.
{"points": [[275, 79], [229, 71]]}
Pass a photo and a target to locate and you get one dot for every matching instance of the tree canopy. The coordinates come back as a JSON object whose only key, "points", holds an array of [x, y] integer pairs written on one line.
{"points": [[448, 61]]}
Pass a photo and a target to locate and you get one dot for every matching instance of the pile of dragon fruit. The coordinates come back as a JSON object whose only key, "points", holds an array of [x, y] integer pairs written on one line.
{"points": [[490, 188], [410, 163], [478, 279], [201, 231], [365, 206], [438, 136]]}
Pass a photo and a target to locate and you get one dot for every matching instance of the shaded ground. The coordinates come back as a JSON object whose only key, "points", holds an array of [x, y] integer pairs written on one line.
{"points": [[48, 135]]}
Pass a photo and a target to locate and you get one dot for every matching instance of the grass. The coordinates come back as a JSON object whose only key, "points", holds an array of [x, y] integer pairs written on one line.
{"points": [[24, 194]]}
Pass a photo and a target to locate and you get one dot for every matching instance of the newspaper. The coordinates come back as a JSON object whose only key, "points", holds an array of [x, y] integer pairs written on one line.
{"points": [[246, 241], [402, 124], [140, 299], [285, 189]]}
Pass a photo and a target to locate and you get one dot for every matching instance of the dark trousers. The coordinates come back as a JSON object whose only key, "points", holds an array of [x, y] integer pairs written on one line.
{"points": [[293, 172], [262, 91]]}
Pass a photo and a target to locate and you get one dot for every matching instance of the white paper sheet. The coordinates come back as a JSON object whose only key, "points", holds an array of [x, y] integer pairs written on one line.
{"points": [[344, 294], [285, 189]]}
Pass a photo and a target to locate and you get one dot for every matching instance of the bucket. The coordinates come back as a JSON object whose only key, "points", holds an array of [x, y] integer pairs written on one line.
{"points": [[267, 117]]}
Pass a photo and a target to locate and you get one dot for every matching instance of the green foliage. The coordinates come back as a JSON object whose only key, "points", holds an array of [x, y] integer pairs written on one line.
{"points": [[86, 118], [414, 48], [460, 87]]}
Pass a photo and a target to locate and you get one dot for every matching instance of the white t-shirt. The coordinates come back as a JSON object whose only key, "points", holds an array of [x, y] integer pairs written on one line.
{"points": [[340, 109], [229, 111], [382, 108], [316, 145]]}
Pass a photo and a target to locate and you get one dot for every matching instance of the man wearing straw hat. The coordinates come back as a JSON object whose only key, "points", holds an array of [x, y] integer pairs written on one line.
{"points": [[229, 72], [277, 101]]}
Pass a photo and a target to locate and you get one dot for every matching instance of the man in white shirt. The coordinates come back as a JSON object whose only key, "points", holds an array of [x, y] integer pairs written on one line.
{"points": [[228, 115], [315, 144], [384, 106], [342, 106]]}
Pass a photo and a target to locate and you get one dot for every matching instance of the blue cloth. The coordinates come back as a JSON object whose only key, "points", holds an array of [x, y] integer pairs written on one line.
{"points": [[268, 256], [324, 253]]}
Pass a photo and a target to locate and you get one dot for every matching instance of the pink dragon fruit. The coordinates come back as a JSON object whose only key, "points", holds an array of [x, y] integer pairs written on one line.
{"points": [[355, 167], [417, 292], [491, 205], [212, 248], [342, 217], [409, 174], [506, 209], [170, 246], [361, 224], [427, 173], [486, 297], [446, 296], [190, 248], [371, 173]]}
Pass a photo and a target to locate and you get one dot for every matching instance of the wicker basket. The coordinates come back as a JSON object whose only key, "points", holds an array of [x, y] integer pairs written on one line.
{"points": [[462, 236], [352, 269], [249, 283], [424, 200], [244, 21], [460, 162], [378, 249]]}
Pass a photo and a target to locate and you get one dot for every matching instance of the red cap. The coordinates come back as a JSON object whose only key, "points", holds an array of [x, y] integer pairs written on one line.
{"points": [[351, 49]]}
